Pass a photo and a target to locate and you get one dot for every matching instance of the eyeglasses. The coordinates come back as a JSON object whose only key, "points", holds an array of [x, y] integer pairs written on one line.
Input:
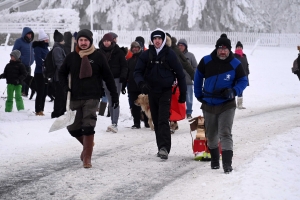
{"points": [[222, 47]]}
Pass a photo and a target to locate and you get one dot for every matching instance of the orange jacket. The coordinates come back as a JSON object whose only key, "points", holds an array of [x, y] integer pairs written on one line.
{"points": [[129, 53]]}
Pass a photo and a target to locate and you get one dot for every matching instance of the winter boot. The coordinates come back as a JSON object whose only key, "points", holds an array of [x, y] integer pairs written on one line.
{"points": [[88, 142], [227, 161], [215, 157], [240, 103], [102, 108]]}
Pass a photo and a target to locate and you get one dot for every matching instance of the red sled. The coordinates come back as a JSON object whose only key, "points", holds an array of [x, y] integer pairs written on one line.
{"points": [[199, 144], [177, 110]]}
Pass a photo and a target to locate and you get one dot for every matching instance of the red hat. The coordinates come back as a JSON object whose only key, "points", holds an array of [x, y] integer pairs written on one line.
{"points": [[108, 37]]}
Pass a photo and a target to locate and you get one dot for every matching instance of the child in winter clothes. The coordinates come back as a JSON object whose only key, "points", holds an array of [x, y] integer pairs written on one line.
{"points": [[15, 73]]}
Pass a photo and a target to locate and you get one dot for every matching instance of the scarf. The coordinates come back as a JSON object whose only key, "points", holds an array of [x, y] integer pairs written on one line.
{"points": [[85, 66], [107, 51], [239, 52]]}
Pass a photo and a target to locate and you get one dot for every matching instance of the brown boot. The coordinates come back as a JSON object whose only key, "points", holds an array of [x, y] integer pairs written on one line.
{"points": [[88, 143]]}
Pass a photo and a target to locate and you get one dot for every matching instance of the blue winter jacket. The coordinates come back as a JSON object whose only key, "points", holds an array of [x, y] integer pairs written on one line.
{"points": [[25, 47], [213, 75], [40, 52]]}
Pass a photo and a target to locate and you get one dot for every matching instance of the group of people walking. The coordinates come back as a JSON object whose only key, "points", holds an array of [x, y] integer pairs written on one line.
{"points": [[108, 71]]}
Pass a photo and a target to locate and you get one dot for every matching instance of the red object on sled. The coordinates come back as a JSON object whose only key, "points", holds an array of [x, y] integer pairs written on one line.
{"points": [[177, 110], [200, 145]]}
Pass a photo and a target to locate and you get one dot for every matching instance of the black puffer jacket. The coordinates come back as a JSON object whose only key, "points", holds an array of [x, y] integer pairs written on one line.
{"points": [[131, 84], [116, 60], [14, 72], [91, 87]]}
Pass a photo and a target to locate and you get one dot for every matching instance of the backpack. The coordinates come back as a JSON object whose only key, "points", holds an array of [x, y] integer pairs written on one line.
{"points": [[295, 67], [48, 65]]}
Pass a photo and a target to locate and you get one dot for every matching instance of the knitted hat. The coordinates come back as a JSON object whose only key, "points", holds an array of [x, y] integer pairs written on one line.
{"points": [[75, 35], [223, 41], [85, 33], [113, 35], [239, 44], [16, 54], [140, 39], [108, 37], [42, 35], [158, 33], [58, 37], [183, 42], [135, 44]]}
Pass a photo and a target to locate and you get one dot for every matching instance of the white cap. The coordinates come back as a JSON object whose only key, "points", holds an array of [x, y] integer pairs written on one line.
{"points": [[42, 35]]}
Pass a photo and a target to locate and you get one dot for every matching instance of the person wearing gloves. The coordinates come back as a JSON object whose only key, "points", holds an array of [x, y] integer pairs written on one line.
{"points": [[218, 79], [156, 80]]}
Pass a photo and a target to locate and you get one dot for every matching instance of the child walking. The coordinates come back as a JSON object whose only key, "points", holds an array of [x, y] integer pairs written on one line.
{"points": [[15, 73]]}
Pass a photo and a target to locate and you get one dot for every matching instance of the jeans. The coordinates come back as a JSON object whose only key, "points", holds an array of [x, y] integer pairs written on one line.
{"points": [[189, 99]]}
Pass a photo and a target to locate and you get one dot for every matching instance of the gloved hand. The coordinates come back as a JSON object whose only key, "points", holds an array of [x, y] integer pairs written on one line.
{"points": [[115, 104], [228, 93], [145, 88], [182, 98], [123, 91], [122, 80], [67, 89], [200, 99]]}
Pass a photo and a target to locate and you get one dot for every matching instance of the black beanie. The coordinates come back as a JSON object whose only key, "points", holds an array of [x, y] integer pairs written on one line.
{"points": [[239, 44], [158, 33], [85, 33], [58, 37], [140, 39], [223, 41]]}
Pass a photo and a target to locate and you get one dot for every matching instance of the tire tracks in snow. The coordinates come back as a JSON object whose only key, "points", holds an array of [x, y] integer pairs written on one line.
{"points": [[140, 176]]}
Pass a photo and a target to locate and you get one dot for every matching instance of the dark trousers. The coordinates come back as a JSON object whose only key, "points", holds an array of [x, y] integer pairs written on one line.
{"points": [[41, 92], [136, 110], [60, 100], [160, 112], [25, 87]]}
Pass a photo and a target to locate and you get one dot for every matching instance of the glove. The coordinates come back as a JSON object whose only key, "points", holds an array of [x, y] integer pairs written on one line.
{"points": [[122, 80], [123, 91], [200, 99], [145, 88], [115, 104], [182, 98], [228, 93], [67, 89]]}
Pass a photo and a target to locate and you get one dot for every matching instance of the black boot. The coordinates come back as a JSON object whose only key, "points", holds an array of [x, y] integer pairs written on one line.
{"points": [[102, 108], [215, 158], [227, 160]]}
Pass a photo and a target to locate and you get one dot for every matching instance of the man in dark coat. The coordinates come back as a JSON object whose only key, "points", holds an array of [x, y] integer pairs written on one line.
{"points": [[58, 56], [118, 66], [155, 78], [219, 78], [24, 45], [133, 90], [87, 68]]}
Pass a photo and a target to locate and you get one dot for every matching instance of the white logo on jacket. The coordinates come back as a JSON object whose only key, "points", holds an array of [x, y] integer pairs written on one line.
{"points": [[227, 77]]}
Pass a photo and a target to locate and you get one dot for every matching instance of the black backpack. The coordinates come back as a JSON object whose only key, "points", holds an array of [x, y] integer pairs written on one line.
{"points": [[48, 65]]}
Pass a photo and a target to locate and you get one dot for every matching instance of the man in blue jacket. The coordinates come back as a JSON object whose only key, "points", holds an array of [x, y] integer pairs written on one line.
{"points": [[218, 79], [155, 73], [24, 45]]}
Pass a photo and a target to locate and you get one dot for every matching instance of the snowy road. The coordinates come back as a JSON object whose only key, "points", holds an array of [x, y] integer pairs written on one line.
{"points": [[128, 168]]}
